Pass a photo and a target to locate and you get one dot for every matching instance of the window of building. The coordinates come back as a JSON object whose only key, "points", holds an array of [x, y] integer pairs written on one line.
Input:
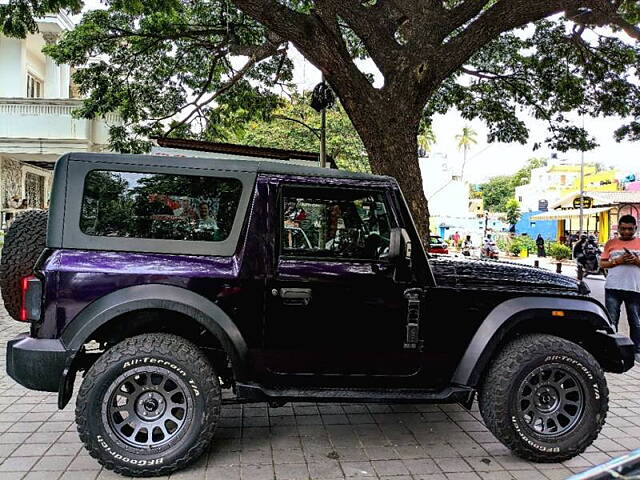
{"points": [[35, 87], [335, 224], [159, 206]]}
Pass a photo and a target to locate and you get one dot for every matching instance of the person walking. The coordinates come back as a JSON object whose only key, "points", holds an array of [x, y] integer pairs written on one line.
{"points": [[540, 245], [456, 240], [622, 257]]}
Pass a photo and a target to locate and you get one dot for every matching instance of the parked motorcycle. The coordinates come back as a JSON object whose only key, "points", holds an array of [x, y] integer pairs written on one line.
{"points": [[589, 261]]}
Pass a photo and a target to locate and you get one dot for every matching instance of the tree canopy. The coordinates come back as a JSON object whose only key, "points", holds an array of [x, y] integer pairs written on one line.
{"points": [[176, 67], [295, 125], [498, 191]]}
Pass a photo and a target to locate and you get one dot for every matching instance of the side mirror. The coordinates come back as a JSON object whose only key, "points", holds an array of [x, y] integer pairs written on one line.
{"points": [[399, 245]]}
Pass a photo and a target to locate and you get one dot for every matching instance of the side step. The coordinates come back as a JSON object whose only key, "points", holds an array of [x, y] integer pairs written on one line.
{"points": [[250, 392]]}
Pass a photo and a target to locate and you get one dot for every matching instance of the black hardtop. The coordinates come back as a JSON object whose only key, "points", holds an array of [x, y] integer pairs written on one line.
{"points": [[222, 164]]}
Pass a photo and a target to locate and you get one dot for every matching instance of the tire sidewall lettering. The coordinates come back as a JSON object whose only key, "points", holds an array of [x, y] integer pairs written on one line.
{"points": [[155, 361], [123, 458]]}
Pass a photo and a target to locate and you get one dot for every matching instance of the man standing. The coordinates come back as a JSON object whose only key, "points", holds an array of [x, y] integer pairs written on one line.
{"points": [[622, 257]]}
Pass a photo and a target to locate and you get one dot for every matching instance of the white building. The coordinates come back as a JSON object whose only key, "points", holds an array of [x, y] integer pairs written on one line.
{"points": [[450, 207], [547, 185], [36, 123]]}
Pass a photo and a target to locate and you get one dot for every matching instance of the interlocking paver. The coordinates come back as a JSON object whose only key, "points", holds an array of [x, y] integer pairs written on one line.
{"points": [[301, 441]]}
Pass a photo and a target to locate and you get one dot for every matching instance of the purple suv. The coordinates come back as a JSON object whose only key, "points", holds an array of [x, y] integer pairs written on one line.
{"points": [[165, 280]]}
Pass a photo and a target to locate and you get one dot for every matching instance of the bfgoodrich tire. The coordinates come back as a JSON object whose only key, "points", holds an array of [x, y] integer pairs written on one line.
{"points": [[545, 398], [23, 244], [148, 406]]}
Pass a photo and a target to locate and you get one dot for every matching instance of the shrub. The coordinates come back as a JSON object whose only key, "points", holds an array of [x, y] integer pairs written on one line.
{"points": [[518, 244], [559, 251]]}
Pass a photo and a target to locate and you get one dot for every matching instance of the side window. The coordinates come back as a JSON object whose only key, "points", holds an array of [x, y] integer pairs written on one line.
{"points": [[346, 224], [159, 206]]}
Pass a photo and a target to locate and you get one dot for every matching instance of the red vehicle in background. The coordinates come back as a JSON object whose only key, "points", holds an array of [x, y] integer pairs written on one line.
{"points": [[437, 245]]}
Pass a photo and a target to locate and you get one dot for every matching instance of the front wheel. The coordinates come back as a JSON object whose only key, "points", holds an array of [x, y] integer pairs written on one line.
{"points": [[148, 406], [545, 398]]}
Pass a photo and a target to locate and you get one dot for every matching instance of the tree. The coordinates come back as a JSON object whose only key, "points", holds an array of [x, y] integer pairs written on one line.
{"points": [[295, 126], [512, 210], [488, 58], [465, 139], [497, 192]]}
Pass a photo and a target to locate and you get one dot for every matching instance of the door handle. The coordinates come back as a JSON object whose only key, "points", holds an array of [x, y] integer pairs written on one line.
{"points": [[296, 296]]}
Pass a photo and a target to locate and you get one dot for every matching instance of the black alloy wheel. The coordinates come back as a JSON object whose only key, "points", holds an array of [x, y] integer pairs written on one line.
{"points": [[551, 400], [147, 407]]}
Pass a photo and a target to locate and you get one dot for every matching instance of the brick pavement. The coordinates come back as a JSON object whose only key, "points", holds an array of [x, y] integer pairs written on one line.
{"points": [[309, 441]]}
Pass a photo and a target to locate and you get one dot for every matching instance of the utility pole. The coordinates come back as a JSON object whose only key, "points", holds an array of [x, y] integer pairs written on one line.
{"points": [[581, 183], [323, 135]]}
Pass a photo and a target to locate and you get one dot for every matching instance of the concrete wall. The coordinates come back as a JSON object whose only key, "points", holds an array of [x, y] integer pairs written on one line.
{"points": [[547, 228], [13, 77], [11, 179]]}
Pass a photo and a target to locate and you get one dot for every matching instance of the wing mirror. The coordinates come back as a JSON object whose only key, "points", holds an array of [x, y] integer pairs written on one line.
{"points": [[399, 245]]}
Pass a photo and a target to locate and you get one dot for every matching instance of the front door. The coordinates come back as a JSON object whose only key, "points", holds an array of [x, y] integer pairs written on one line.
{"points": [[334, 310]]}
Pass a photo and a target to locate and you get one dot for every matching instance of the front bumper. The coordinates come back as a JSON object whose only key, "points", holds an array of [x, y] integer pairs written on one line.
{"points": [[615, 352], [35, 363]]}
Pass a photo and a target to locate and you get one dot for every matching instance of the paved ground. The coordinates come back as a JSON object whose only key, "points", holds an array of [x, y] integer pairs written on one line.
{"points": [[305, 441]]}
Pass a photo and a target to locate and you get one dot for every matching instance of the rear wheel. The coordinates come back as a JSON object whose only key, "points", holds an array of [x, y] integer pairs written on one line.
{"points": [[23, 244], [545, 398], [149, 405]]}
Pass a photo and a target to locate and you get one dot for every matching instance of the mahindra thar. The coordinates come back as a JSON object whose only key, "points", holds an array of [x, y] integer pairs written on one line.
{"points": [[165, 280]]}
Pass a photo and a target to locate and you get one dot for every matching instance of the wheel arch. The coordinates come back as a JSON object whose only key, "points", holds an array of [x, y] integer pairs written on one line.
{"points": [[522, 315], [109, 310]]}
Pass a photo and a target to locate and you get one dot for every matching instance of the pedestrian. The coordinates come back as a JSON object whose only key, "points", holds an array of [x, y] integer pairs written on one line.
{"points": [[622, 257], [540, 245], [456, 239]]}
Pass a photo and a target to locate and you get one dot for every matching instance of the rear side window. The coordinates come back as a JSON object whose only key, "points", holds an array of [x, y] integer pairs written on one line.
{"points": [[159, 206]]}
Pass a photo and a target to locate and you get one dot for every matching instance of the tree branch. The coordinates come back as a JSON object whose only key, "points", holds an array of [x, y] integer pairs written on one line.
{"points": [[503, 16], [267, 52]]}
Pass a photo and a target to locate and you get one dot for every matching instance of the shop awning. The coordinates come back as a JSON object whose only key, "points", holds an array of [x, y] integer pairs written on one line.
{"points": [[575, 212]]}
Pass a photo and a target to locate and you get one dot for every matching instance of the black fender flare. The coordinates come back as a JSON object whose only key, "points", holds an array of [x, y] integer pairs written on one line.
{"points": [[157, 296], [509, 314]]}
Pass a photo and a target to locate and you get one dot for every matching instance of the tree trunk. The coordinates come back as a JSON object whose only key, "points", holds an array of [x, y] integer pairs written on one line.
{"points": [[394, 152]]}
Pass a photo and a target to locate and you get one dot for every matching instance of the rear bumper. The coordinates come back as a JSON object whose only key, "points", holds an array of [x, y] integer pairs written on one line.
{"points": [[37, 364], [615, 352]]}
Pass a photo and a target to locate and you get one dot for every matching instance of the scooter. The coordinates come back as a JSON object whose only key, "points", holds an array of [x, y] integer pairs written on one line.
{"points": [[489, 250]]}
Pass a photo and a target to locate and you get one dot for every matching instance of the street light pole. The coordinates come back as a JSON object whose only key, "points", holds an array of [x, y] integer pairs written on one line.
{"points": [[323, 135], [581, 183]]}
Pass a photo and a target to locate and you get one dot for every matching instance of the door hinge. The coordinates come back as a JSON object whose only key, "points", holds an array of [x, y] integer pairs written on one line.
{"points": [[414, 300]]}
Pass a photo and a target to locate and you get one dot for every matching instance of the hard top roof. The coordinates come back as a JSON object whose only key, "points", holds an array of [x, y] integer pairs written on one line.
{"points": [[251, 166]]}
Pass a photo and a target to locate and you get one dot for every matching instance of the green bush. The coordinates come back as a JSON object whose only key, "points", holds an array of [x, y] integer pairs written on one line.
{"points": [[518, 244], [559, 251]]}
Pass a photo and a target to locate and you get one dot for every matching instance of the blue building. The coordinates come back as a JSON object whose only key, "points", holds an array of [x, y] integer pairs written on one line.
{"points": [[547, 228]]}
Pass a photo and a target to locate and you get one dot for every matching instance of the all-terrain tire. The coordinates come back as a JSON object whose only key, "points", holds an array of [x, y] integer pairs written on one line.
{"points": [[503, 400], [23, 244], [129, 369]]}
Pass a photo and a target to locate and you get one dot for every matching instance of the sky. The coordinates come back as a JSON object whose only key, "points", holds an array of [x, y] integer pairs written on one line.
{"points": [[486, 160]]}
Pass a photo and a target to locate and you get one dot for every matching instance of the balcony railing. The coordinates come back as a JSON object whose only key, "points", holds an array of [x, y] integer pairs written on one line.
{"points": [[50, 120]]}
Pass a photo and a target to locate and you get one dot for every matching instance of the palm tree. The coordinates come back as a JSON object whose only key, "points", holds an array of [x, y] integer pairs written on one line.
{"points": [[465, 139], [426, 137]]}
